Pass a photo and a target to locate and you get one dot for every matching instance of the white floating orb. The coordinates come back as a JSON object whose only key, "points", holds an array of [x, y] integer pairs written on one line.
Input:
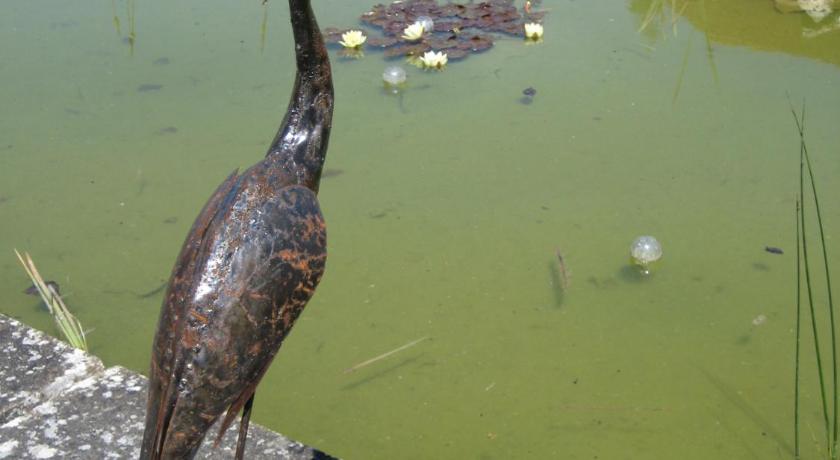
{"points": [[645, 250], [394, 75], [427, 23]]}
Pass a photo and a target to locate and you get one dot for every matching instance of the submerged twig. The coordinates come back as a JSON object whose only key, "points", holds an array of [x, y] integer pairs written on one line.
{"points": [[384, 355], [562, 271], [264, 25]]}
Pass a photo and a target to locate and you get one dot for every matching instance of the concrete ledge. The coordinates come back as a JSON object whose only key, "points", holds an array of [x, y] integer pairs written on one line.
{"points": [[59, 402]]}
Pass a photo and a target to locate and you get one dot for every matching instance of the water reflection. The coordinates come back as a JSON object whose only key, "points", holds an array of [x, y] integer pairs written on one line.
{"points": [[817, 10], [807, 28], [657, 16]]}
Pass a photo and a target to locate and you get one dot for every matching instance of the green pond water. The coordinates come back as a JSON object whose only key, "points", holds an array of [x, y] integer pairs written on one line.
{"points": [[445, 207]]}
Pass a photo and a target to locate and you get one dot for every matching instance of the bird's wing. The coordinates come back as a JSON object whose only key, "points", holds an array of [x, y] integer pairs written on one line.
{"points": [[254, 269], [291, 265]]}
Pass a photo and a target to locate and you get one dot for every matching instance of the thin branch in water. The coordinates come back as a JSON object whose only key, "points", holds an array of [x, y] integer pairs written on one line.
{"points": [[384, 355], [562, 270], [264, 25]]}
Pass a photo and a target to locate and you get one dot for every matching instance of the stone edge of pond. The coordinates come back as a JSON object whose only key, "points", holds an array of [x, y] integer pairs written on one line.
{"points": [[60, 402]]}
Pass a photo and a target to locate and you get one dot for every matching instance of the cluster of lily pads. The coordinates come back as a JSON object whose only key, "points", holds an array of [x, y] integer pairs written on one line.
{"points": [[431, 35]]}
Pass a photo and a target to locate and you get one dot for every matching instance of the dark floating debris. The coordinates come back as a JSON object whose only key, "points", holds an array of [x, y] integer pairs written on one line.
{"points": [[528, 95], [63, 25], [167, 130], [152, 292], [331, 172], [52, 285], [146, 87], [773, 250], [458, 28], [161, 61]]}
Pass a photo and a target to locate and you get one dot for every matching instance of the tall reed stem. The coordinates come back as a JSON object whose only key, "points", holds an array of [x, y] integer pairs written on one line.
{"points": [[798, 334], [831, 428]]}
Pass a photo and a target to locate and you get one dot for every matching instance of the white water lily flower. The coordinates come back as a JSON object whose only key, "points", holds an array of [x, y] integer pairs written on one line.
{"points": [[352, 39], [533, 31], [413, 32], [434, 60]]}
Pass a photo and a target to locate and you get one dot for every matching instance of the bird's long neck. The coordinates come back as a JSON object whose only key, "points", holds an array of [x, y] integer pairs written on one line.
{"points": [[300, 146]]}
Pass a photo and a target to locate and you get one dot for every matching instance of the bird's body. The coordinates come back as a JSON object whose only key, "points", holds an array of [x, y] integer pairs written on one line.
{"points": [[248, 267]]}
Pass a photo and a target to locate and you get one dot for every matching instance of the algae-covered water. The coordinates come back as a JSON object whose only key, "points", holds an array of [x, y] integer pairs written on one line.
{"points": [[445, 208]]}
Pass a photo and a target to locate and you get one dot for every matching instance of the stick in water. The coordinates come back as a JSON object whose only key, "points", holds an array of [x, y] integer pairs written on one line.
{"points": [[384, 355], [563, 277]]}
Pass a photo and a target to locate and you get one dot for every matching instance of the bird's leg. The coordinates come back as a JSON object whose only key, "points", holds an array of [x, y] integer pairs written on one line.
{"points": [[243, 427]]}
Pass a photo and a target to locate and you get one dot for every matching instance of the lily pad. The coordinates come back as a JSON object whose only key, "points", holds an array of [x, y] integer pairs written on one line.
{"points": [[459, 28]]}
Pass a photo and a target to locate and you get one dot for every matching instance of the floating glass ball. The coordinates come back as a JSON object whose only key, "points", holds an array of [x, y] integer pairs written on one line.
{"points": [[645, 250], [427, 23], [394, 75]]}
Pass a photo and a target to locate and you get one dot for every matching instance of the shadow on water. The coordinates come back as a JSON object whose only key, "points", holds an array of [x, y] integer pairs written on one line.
{"points": [[736, 400], [633, 274]]}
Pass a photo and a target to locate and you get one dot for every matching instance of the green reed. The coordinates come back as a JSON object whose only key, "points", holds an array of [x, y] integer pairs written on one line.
{"points": [[68, 324], [831, 427], [798, 329]]}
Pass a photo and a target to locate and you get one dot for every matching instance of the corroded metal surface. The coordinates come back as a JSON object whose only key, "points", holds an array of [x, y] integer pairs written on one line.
{"points": [[250, 263]]}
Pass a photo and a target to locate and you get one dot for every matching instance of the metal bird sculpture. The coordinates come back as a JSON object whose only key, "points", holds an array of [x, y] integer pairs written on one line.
{"points": [[248, 267]]}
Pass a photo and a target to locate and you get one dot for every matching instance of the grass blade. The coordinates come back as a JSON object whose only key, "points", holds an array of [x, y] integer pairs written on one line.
{"points": [[818, 212], [831, 428], [798, 335], [68, 324]]}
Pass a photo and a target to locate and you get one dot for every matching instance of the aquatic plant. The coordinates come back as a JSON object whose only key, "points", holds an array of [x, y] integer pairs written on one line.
{"points": [[68, 324], [831, 427], [434, 60], [413, 27], [413, 32], [656, 14], [654, 18], [533, 31], [352, 39]]}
